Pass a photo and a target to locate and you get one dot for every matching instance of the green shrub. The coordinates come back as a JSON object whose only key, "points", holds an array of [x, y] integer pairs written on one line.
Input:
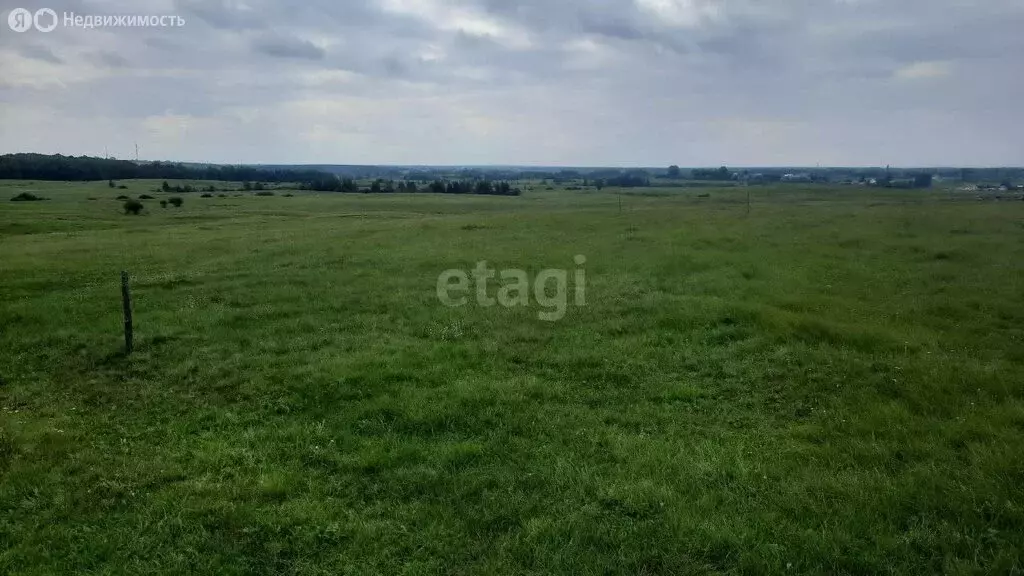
{"points": [[145, 197], [264, 193], [163, 203], [122, 198], [27, 197], [132, 207], [175, 201], [207, 195]]}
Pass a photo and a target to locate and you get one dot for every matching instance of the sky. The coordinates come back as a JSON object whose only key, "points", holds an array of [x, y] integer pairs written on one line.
{"points": [[528, 82]]}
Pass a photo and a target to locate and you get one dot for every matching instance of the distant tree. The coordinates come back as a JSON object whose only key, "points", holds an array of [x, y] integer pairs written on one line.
{"points": [[258, 186], [720, 174], [165, 186], [674, 172], [132, 207], [175, 201], [633, 179], [111, 184], [923, 181], [247, 186], [163, 203], [376, 187]]}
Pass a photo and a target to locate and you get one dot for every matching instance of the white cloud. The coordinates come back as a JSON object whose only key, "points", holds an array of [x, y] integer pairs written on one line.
{"points": [[685, 13], [924, 70], [451, 17]]}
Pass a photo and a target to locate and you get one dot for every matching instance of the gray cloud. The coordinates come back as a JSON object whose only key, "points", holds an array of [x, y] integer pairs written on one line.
{"points": [[112, 59], [692, 82], [283, 47], [38, 52]]}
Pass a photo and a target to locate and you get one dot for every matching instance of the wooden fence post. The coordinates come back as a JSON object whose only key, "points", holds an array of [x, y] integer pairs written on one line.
{"points": [[126, 298]]}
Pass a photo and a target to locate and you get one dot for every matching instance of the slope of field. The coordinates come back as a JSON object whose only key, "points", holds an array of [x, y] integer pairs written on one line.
{"points": [[830, 384]]}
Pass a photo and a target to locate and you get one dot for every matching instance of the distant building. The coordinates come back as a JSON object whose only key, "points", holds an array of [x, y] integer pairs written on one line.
{"points": [[803, 177]]}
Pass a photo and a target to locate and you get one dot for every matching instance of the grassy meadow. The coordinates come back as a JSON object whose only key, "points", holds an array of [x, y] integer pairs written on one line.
{"points": [[832, 383]]}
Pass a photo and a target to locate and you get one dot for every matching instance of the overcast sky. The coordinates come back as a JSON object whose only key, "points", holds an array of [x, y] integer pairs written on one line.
{"points": [[536, 82]]}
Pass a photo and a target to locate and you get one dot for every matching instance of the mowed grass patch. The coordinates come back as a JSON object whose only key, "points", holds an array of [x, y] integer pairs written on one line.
{"points": [[830, 384]]}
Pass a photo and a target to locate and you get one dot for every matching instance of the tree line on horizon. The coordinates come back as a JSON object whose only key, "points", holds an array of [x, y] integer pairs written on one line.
{"points": [[381, 186], [30, 166], [90, 169]]}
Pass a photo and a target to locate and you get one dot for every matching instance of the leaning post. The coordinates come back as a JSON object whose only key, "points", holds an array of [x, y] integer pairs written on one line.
{"points": [[126, 300]]}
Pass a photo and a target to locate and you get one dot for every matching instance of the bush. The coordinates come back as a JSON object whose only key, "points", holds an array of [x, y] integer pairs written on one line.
{"points": [[264, 193], [175, 201], [132, 207], [122, 198], [122, 187], [222, 195], [146, 197], [207, 195], [289, 195], [26, 197], [163, 203]]}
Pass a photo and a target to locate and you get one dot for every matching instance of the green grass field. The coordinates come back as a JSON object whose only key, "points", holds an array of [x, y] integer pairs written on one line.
{"points": [[832, 384]]}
